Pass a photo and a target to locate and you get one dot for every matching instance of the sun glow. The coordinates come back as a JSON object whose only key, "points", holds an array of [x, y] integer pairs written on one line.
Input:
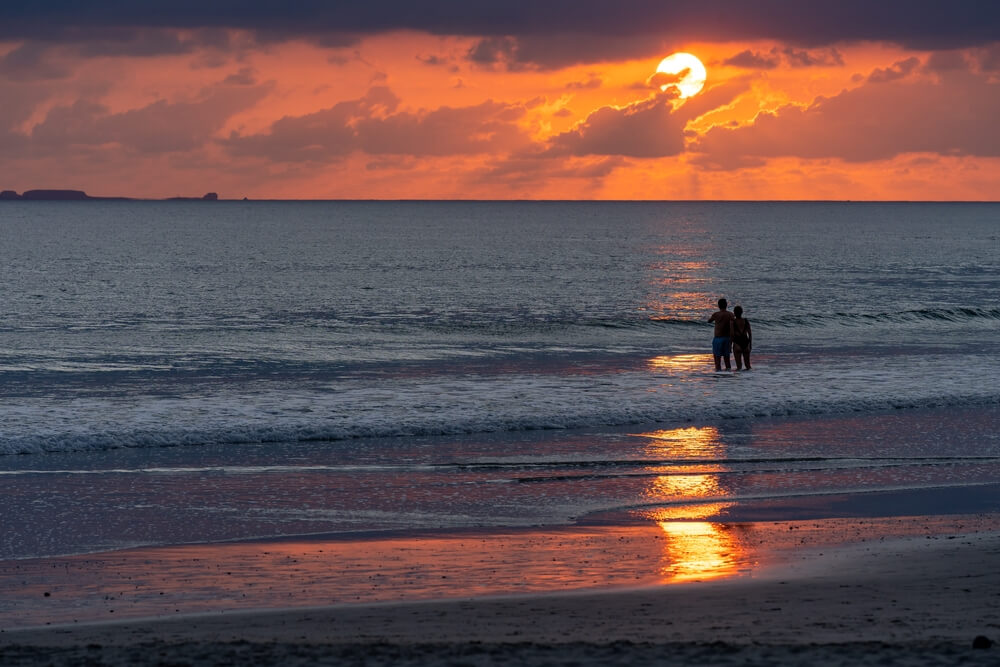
{"points": [[682, 71]]}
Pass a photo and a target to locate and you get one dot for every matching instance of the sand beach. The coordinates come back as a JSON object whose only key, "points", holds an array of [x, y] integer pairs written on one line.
{"points": [[913, 599]]}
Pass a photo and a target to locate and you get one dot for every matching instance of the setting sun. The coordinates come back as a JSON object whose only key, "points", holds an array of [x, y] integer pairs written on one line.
{"points": [[687, 72]]}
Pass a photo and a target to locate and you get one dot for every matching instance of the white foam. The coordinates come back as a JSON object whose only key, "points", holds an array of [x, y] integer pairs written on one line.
{"points": [[441, 405]]}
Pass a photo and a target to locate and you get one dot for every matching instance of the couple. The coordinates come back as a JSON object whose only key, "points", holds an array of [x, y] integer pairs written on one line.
{"points": [[731, 329]]}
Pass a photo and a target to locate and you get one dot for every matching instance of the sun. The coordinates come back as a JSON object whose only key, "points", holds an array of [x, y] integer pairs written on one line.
{"points": [[693, 78]]}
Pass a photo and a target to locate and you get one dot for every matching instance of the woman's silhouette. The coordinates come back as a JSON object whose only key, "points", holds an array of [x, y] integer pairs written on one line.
{"points": [[742, 339]]}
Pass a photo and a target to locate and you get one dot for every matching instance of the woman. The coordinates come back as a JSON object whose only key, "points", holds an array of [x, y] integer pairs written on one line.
{"points": [[742, 339]]}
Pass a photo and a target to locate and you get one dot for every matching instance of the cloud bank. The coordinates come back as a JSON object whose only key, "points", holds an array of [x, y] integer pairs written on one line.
{"points": [[892, 113], [518, 33]]}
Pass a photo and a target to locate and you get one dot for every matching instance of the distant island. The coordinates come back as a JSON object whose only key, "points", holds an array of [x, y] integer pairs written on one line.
{"points": [[80, 195]]}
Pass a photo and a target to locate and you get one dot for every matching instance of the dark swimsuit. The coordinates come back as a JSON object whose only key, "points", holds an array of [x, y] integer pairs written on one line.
{"points": [[741, 338]]}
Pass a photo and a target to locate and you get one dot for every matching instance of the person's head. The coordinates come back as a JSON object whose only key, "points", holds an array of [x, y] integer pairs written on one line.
{"points": [[738, 311], [723, 304]]}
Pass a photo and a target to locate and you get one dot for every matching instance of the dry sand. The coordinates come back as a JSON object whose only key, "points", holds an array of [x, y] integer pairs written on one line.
{"points": [[911, 601]]}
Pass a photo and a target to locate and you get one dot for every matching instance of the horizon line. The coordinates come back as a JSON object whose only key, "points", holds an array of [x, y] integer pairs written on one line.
{"points": [[182, 199]]}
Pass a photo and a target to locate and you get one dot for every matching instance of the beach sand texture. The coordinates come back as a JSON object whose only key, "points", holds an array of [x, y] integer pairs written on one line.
{"points": [[913, 600]]}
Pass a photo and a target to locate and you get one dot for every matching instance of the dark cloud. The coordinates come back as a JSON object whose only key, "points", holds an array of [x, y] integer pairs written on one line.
{"points": [[880, 119], [533, 51], [753, 60], [130, 41], [375, 125], [493, 50], [145, 42], [989, 58], [650, 128], [484, 128], [804, 58], [436, 61], [946, 61], [244, 77], [660, 79], [545, 34], [591, 83], [19, 102], [31, 61], [160, 127], [55, 56], [791, 56], [644, 129], [898, 70]]}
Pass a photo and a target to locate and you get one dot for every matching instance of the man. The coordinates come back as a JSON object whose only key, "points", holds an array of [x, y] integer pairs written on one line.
{"points": [[722, 343]]}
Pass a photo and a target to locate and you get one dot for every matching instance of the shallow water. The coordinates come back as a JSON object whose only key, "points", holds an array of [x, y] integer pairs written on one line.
{"points": [[804, 467]]}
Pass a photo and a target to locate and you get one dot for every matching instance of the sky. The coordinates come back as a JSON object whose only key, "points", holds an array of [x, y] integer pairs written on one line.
{"points": [[540, 99]]}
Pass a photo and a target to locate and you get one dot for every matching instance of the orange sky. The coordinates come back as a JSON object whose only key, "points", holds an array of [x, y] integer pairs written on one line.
{"points": [[408, 114]]}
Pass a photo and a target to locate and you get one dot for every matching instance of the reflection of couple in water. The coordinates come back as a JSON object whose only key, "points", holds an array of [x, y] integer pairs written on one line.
{"points": [[732, 333]]}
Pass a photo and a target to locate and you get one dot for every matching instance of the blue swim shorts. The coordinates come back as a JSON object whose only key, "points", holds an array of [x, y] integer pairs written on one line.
{"points": [[721, 346]]}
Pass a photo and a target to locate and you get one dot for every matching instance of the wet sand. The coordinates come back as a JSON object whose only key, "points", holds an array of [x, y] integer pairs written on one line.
{"points": [[913, 599], [612, 552]]}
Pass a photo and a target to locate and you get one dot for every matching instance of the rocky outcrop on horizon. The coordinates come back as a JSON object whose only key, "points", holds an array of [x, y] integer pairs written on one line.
{"points": [[80, 195], [45, 195], [55, 195], [208, 196]]}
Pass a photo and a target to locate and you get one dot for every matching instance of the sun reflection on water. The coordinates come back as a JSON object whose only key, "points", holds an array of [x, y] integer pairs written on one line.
{"points": [[691, 442], [695, 548], [678, 448], [680, 363], [700, 550]]}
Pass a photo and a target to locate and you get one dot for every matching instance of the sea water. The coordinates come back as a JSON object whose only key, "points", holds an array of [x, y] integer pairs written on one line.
{"points": [[193, 371]]}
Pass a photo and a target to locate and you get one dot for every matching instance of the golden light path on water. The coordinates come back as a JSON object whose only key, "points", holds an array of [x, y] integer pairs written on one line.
{"points": [[693, 549], [681, 362]]}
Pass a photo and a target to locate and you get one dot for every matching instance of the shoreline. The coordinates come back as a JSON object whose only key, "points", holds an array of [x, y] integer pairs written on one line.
{"points": [[860, 576], [922, 600], [160, 584]]}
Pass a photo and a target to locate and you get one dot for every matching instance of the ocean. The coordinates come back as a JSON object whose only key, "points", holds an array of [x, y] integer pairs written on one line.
{"points": [[178, 372]]}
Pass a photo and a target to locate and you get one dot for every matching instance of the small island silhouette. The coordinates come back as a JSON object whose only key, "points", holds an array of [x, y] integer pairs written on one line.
{"points": [[80, 195]]}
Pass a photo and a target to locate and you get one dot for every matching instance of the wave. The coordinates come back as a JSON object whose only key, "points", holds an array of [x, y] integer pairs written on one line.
{"points": [[532, 467], [853, 319], [501, 326], [268, 428], [504, 324], [489, 399], [924, 315]]}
